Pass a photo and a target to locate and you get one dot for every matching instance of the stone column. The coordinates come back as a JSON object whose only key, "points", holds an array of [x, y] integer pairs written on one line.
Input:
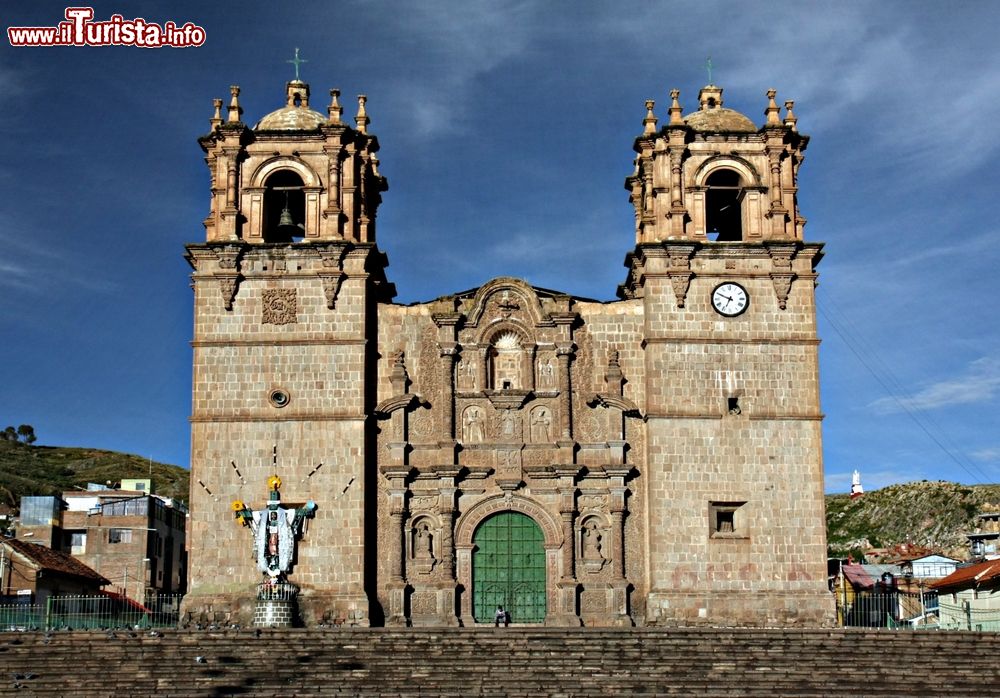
{"points": [[564, 350], [484, 368], [449, 350], [231, 160], [619, 583], [396, 553], [446, 510], [569, 545], [528, 368]]}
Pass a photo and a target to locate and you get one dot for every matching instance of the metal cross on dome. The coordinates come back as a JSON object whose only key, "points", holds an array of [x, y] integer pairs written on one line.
{"points": [[297, 62], [708, 66]]}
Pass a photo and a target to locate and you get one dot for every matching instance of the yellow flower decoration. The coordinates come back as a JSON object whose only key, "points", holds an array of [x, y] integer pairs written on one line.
{"points": [[273, 482], [238, 506]]}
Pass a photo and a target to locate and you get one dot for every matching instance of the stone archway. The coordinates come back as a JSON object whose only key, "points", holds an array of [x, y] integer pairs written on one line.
{"points": [[548, 537], [508, 568]]}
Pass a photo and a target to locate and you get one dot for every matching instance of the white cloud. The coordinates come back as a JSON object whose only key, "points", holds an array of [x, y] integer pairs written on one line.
{"points": [[455, 44], [979, 383], [988, 455]]}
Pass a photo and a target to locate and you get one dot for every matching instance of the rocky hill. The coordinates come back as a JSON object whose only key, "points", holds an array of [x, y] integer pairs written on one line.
{"points": [[39, 470], [933, 514]]}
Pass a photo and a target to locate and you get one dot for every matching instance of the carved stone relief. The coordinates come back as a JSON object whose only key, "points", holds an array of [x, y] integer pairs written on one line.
{"points": [[473, 425], [547, 374], [541, 425], [467, 374], [507, 426], [592, 537], [279, 306], [422, 543]]}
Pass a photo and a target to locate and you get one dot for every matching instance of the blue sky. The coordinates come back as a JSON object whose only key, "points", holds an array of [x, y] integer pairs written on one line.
{"points": [[506, 132]]}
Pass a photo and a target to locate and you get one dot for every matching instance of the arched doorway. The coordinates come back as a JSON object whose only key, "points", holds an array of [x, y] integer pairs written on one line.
{"points": [[508, 568]]}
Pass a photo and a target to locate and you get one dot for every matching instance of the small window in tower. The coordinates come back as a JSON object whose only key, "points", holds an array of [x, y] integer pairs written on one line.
{"points": [[725, 520], [733, 404], [284, 207], [723, 207]]}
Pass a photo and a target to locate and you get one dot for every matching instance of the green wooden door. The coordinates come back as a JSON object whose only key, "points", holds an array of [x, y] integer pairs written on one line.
{"points": [[508, 569]]}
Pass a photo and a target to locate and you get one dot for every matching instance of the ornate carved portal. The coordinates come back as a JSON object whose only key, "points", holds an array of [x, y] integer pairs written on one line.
{"points": [[466, 495]]}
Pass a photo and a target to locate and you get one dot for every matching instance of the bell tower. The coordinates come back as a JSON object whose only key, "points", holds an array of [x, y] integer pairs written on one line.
{"points": [[734, 456], [286, 290]]}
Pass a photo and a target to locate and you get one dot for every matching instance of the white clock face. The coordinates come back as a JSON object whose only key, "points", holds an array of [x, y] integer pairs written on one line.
{"points": [[730, 299]]}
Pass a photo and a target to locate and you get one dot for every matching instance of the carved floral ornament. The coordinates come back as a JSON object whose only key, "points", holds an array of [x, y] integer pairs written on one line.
{"points": [[278, 306]]}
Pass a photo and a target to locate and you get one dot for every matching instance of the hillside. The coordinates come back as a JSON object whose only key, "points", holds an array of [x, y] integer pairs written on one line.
{"points": [[34, 470], [935, 514]]}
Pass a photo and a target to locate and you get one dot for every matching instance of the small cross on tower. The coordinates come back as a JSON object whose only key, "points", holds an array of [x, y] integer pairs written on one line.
{"points": [[297, 62]]}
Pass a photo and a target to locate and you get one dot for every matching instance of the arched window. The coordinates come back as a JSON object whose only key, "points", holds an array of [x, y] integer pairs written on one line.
{"points": [[723, 207], [284, 207]]}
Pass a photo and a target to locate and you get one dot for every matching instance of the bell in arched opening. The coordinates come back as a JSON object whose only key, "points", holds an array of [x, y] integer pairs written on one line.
{"points": [[284, 207], [723, 206]]}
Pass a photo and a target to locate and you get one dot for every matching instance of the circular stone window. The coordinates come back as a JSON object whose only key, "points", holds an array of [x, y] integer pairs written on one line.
{"points": [[279, 397]]}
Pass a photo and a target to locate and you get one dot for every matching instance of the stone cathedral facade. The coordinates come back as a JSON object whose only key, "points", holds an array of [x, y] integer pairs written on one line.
{"points": [[651, 460]]}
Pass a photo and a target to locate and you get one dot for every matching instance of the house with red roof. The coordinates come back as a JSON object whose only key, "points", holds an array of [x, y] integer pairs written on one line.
{"points": [[30, 573], [969, 597]]}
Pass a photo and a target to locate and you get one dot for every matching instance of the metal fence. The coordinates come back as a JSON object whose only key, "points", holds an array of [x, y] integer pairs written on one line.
{"points": [[896, 609], [92, 612]]}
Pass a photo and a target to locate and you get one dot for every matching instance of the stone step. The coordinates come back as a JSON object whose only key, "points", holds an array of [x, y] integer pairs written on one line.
{"points": [[463, 662]]}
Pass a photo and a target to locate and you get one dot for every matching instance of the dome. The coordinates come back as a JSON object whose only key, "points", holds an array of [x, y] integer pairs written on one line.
{"points": [[720, 119], [295, 115], [712, 116], [291, 119]]}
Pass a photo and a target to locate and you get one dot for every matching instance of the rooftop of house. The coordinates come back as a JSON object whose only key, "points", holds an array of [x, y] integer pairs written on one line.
{"points": [[43, 558], [970, 577]]}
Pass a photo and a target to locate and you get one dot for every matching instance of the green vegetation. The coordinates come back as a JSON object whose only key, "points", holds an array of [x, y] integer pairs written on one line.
{"points": [[41, 470], [933, 514]]}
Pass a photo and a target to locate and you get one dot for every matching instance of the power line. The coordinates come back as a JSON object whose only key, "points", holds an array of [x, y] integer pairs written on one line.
{"points": [[893, 388]]}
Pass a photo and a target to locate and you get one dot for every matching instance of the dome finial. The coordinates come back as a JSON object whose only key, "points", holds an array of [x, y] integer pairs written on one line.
{"points": [[710, 97], [216, 120], [297, 62], [362, 119], [708, 67], [335, 110], [235, 110], [649, 123], [772, 108], [675, 108], [297, 94], [789, 116]]}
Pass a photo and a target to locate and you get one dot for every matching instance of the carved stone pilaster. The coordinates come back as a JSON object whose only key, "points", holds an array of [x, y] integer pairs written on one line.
{"points": [[446, 510], [569, 546], [333, 195], [449, 351], [564, 352]]}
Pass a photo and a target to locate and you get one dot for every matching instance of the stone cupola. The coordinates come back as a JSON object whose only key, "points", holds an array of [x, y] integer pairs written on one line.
{"points": [[296, 176], [714, 176]]}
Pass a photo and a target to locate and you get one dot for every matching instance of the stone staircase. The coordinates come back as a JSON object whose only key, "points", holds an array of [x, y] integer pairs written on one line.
{"points": [[516, 661]]}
